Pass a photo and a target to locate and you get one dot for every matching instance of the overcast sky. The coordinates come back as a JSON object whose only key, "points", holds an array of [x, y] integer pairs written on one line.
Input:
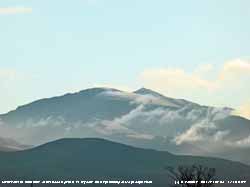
{"points": [[197, 50]]}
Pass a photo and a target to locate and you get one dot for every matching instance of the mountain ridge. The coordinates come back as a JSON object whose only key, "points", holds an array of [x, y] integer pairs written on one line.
{"points": [[142, 118], [96, 90]]}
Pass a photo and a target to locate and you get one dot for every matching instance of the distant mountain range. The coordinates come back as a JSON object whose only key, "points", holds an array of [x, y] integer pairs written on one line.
{"points": [[98, 159], [143, 118]]}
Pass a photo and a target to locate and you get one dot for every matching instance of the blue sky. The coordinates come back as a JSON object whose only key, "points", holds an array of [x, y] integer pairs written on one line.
{"points": [[52, 47]]}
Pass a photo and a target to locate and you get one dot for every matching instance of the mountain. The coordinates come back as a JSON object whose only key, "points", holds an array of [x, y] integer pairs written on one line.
{"points": [[84, 105], [99, 159], [143, 118], [177, 102]]}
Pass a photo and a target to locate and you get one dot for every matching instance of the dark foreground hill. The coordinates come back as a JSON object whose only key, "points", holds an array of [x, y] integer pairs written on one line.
{"points": [[98, 159]]}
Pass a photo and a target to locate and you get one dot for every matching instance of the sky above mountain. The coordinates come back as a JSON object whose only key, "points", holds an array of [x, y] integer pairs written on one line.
{"points": [[193, 50]]}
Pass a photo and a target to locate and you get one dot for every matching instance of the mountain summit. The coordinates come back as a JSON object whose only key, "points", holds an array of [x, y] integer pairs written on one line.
{"points": [[143, 118], [146, 91]]}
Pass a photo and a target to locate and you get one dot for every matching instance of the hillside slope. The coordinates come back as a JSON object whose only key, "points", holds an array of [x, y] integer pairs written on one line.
{"points": [[98, 159], [143, 118]]}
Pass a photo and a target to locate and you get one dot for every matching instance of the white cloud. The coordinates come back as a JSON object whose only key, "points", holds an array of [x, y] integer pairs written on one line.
{"points": [[15, 10], [205, 129], [106, 127], [242, 143], [139, 99], [206, 133], [118, 126], [243, 110], [116, 86], [220, 135], [207, 84], [48, 121], [234, 68], [142, 122], [118, 94], [203, 70], [175, 79], [141, 136], [196, 132]]}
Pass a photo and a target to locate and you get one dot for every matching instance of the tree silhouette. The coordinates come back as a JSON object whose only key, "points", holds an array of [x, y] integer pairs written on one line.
{"points": [[196, 173]]}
